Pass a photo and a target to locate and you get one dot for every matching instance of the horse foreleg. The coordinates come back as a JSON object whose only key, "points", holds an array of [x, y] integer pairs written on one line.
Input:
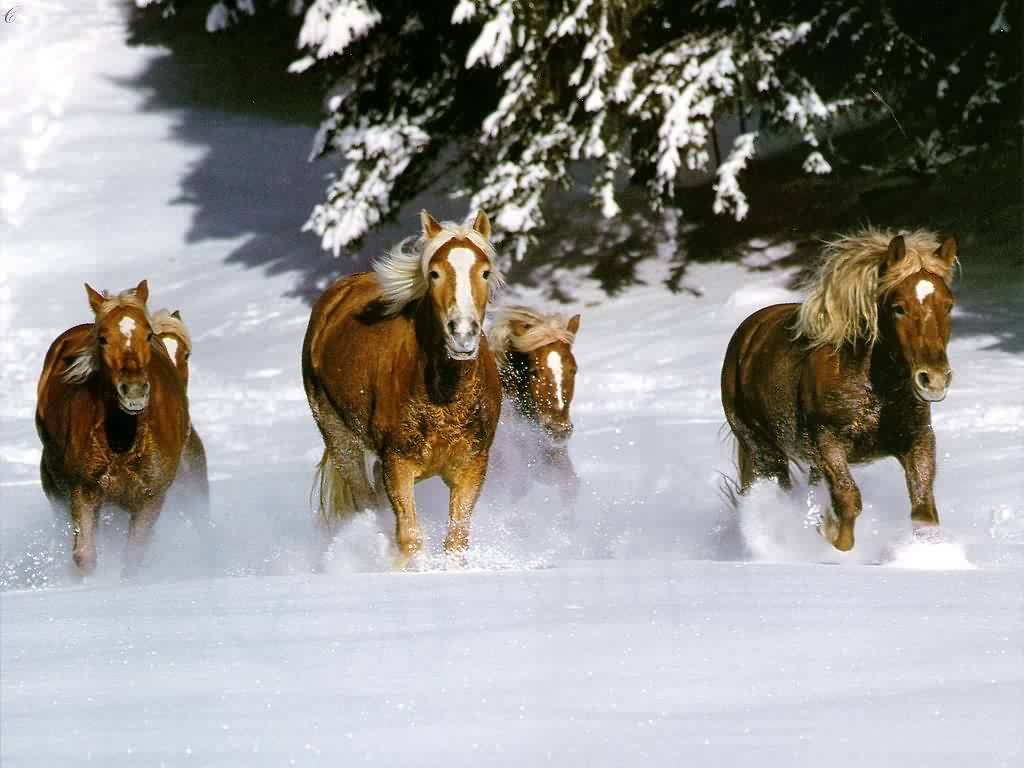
{"points": [[85, 506], [140, 531], [919, 467], [464, 483], [846, 502], [399, 479]]}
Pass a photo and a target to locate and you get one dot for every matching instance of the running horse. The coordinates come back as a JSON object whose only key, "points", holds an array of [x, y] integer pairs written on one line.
{"points": [[401, 381], [112, 416], [849, 375], [534, 354], [192, 475]]}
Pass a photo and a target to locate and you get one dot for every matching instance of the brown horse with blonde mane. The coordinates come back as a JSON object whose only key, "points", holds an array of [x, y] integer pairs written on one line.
{"points": [[113, 417], [192, 474], [398, 374], [533, 350], [849, 375]]}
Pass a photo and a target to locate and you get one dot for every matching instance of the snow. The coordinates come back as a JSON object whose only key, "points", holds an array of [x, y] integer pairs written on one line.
{"points": [[646, 623]]}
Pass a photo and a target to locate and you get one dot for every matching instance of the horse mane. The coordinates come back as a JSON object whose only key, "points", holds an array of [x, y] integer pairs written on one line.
{"points": [[842, 296], [164, 322], [402, 271], [85, 361], [543, 329]]}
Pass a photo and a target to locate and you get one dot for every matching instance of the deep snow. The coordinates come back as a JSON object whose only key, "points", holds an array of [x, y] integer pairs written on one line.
{"points": [[584, 635]]}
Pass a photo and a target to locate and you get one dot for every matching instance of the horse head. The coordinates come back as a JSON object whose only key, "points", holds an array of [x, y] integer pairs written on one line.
{"points": [[171, 330], [537, 366], [458, 284], [914, 319], [123, 337]]}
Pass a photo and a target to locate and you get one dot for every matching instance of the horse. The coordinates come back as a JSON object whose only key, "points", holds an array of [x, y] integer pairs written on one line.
{"points": [[401, 382], [849, 375], [537, 367], [112, 416], [192, 475]]}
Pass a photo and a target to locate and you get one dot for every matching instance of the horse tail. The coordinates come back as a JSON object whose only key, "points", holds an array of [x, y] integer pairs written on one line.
{"points": [[336, 499], [729, 485]]}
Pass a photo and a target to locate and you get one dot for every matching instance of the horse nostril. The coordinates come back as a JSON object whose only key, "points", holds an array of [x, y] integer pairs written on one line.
{"points": [[923, 379], [949, 378], [474, 328], [122, 389], [145, 389], [451, 327]]}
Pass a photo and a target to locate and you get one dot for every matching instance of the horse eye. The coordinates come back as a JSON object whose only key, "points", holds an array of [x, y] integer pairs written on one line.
{"points": [[150, 336], [434, 274], [103, 339], [487, 274], [898, 310]]}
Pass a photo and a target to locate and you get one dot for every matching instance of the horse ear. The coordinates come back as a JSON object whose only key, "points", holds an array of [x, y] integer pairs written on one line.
{"points": [[948, 251], [573, 326], [95, 298], [142, 291], [176, 314], [482, 224], [430, 225], [897, 250]]}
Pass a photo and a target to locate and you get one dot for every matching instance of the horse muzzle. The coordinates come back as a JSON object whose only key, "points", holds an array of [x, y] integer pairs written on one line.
{"points": [[932, 384], [462, 339], [133, 397]]}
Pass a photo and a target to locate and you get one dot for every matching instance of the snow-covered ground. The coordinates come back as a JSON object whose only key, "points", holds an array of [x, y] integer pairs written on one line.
{"points": [[644, 625]]}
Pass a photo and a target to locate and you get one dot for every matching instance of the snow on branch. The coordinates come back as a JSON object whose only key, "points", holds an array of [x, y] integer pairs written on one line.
{"points": [[728, 195]]}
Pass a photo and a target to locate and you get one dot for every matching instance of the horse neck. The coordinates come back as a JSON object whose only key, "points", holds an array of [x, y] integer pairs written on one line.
{"points": [[881, 370], [444, 378]]}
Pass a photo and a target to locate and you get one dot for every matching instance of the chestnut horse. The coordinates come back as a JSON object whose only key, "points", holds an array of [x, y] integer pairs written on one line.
{"points": [[113, 417], [192, 475], [397, 372], [849, 375], [538, 374]]}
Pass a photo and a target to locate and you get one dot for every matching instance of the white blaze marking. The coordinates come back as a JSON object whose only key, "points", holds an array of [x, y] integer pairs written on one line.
{"points": [[172, 347], [554, 362], [127, 325], [925, 288], [462, 261]]}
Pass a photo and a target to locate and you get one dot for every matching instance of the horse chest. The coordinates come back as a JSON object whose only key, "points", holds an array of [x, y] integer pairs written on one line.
{"points": [[129, 475], [435, 435]]}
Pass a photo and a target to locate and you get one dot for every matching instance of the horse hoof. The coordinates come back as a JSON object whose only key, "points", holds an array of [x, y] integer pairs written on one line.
{"points": [[843, 544], [85, 562]]}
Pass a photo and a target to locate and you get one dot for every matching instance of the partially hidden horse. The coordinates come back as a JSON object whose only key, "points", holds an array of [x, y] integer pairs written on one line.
{"points": [[849, 375], [112, 416], [535, 360], [399, 375], [192, 473]]}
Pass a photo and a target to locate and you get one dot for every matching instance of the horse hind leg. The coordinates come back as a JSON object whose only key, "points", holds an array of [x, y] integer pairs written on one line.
{"points": [[761, 462], [341, 483]]}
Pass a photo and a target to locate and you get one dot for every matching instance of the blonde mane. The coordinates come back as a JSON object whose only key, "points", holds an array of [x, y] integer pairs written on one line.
{"points": [[85, 361], [541, 329], [164, 323], [842, 299], [402, 272]]}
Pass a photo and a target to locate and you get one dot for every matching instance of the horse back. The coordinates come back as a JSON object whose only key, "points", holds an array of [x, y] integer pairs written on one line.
{"points": [[356, 355]]}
